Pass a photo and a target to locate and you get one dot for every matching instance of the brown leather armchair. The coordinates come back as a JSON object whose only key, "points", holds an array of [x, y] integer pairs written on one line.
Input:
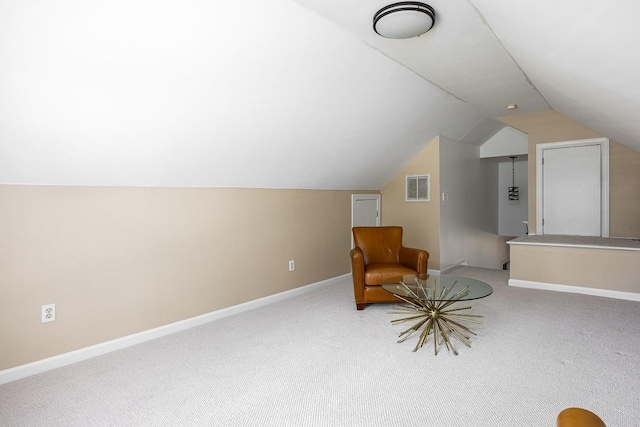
{"points": [[379, 255]]}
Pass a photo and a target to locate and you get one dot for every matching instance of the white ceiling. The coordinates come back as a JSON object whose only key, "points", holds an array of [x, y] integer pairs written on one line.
{"points": [[291, 94]]}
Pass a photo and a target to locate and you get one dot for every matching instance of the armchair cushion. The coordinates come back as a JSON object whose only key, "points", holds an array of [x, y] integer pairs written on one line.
{"points": [[378, 272]]}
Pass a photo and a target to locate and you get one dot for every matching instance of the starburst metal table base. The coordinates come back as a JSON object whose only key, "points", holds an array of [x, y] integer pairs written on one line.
{"points": [[437, 317]]}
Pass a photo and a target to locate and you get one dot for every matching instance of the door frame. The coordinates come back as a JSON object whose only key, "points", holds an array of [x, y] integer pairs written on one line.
{"points": [[355, 197], [604, 178]]}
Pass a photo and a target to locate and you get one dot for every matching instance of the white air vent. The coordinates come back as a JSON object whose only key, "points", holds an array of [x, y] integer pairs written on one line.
{"points": [[418, 188]]}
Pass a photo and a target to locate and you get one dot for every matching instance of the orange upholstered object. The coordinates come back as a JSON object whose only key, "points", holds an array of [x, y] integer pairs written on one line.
{"points": [[379, 255], [578, 417]]}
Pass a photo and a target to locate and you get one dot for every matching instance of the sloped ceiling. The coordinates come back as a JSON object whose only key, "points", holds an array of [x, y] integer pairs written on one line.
{"points": [[581, 55], [290, 94]]}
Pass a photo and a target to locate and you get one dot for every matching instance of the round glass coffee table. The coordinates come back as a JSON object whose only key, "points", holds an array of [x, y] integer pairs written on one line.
{"points": [[432, 307]]}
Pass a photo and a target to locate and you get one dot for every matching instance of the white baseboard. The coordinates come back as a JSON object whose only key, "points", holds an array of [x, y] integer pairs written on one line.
{"points": [[607, 293], [452, 267], [23, 371]]}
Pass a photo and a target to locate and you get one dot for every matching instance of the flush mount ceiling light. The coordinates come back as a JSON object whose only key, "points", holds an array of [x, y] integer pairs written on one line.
{"points": [[404, 20]]}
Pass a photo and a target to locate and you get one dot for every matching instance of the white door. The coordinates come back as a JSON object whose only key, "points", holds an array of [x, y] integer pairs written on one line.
{"points": [[365, 211], [572, 190]]}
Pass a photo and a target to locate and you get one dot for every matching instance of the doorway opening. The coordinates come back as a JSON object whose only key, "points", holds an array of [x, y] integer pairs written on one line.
{"points": [[365, 211]]}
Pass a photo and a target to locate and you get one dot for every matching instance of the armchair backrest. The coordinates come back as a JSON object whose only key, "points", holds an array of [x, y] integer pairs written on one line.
{"points": [[379, 244]]}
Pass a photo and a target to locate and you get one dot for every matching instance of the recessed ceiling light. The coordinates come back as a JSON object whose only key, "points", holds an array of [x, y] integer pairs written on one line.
{"points": [[404, 20], [511, 106]]}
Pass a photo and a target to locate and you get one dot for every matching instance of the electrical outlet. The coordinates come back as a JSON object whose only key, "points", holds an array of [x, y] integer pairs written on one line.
{"points": [[292, 265], [48, 313]]}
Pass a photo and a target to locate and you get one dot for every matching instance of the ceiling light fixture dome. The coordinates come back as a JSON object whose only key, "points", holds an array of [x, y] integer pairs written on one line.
{"points": [[404, 20]]}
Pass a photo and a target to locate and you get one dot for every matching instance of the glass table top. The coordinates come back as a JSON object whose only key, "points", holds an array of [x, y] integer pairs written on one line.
{"points": [[437, 288]]}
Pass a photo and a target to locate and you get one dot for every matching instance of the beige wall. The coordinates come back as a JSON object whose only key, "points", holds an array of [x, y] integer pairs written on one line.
{"points": [[469, 218], [606, 269], [420, 220], [117, 261], [624, 191], [464, 228], [624, 168]]}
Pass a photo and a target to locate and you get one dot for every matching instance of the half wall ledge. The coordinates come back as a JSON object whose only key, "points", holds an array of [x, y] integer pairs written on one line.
{"points": [[607, 267]]}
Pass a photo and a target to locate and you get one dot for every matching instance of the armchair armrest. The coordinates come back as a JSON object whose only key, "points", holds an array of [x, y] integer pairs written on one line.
{"points": [[357, 271], [357, 259], [417, 259]]}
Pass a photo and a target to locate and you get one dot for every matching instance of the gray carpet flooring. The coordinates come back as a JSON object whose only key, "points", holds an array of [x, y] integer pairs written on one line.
{"points": [[313, 360]]}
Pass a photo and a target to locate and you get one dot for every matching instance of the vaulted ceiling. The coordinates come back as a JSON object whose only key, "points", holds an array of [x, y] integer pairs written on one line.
{"points": [[291, 93]]}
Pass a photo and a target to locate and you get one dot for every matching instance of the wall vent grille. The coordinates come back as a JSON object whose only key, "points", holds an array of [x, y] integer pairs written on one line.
{"points": [[418, 188]]}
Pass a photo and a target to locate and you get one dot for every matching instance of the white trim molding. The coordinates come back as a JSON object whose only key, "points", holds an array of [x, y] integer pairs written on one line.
{"points": [[607, 293], [452, 267], [434, 272], [54, 362]]}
